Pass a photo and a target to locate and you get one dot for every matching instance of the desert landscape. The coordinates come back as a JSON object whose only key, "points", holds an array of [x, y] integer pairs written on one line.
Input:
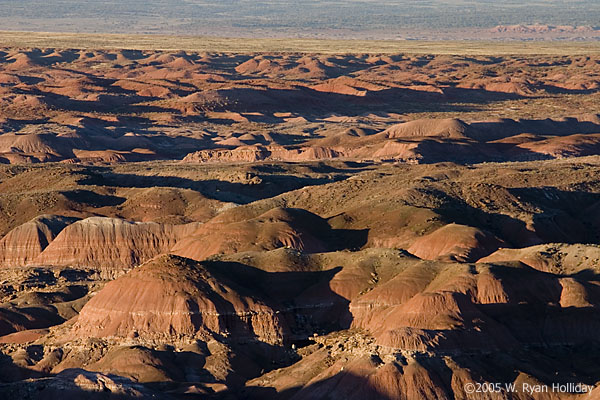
{"points": [[523, 20], [346, 220]]}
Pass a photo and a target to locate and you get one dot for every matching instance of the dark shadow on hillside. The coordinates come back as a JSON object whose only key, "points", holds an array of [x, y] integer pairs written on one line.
{"points": [[556, 364], [47, 57], [112, 103], [14, 319], [10, 372], [536, 314], [241, 193], [545, 325], [135, 132], [343, 385], [586, 275], [62, 386], [561, 218], [553, 89], [304, 298], [494, 130], [307, 101], [467, 151], [92, 199]]}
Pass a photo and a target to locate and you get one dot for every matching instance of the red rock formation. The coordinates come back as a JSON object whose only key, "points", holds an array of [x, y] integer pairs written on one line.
{"points": [[456, 242], [445, 128], [24, 244], [276, 228], [110, 243], [553, 258], [261, 153], [170, 297]]}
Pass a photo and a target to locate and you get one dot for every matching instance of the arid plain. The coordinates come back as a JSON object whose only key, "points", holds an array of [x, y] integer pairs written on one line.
{"points": [[246, 223]]}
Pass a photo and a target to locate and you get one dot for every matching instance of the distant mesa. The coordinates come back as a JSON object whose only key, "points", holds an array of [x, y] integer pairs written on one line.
{"points": [[540, 29]]}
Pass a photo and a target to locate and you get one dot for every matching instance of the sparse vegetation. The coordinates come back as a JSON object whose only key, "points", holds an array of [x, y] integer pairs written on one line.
{"points": [[172, 16], [322, 46]]}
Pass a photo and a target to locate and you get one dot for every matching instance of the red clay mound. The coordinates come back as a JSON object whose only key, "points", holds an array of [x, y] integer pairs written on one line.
{"points": [[21, 61], [501, 85], [413, 301], [9, 79], [553, 258], [566, 146], [456, 242], [306, 67], [343, 85], [43, 147], [171, 297], [444, 306], [24, 243], [276, 228], [248, 67], [109, 243], [443, 128], [180, 63]]}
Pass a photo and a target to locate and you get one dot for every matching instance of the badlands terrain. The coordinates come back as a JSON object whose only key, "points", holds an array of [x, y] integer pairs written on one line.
{"points": [[180, 224]]}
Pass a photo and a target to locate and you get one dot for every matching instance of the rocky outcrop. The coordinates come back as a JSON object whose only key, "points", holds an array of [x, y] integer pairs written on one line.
{"points": [[262, 153], [77, 384]]}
